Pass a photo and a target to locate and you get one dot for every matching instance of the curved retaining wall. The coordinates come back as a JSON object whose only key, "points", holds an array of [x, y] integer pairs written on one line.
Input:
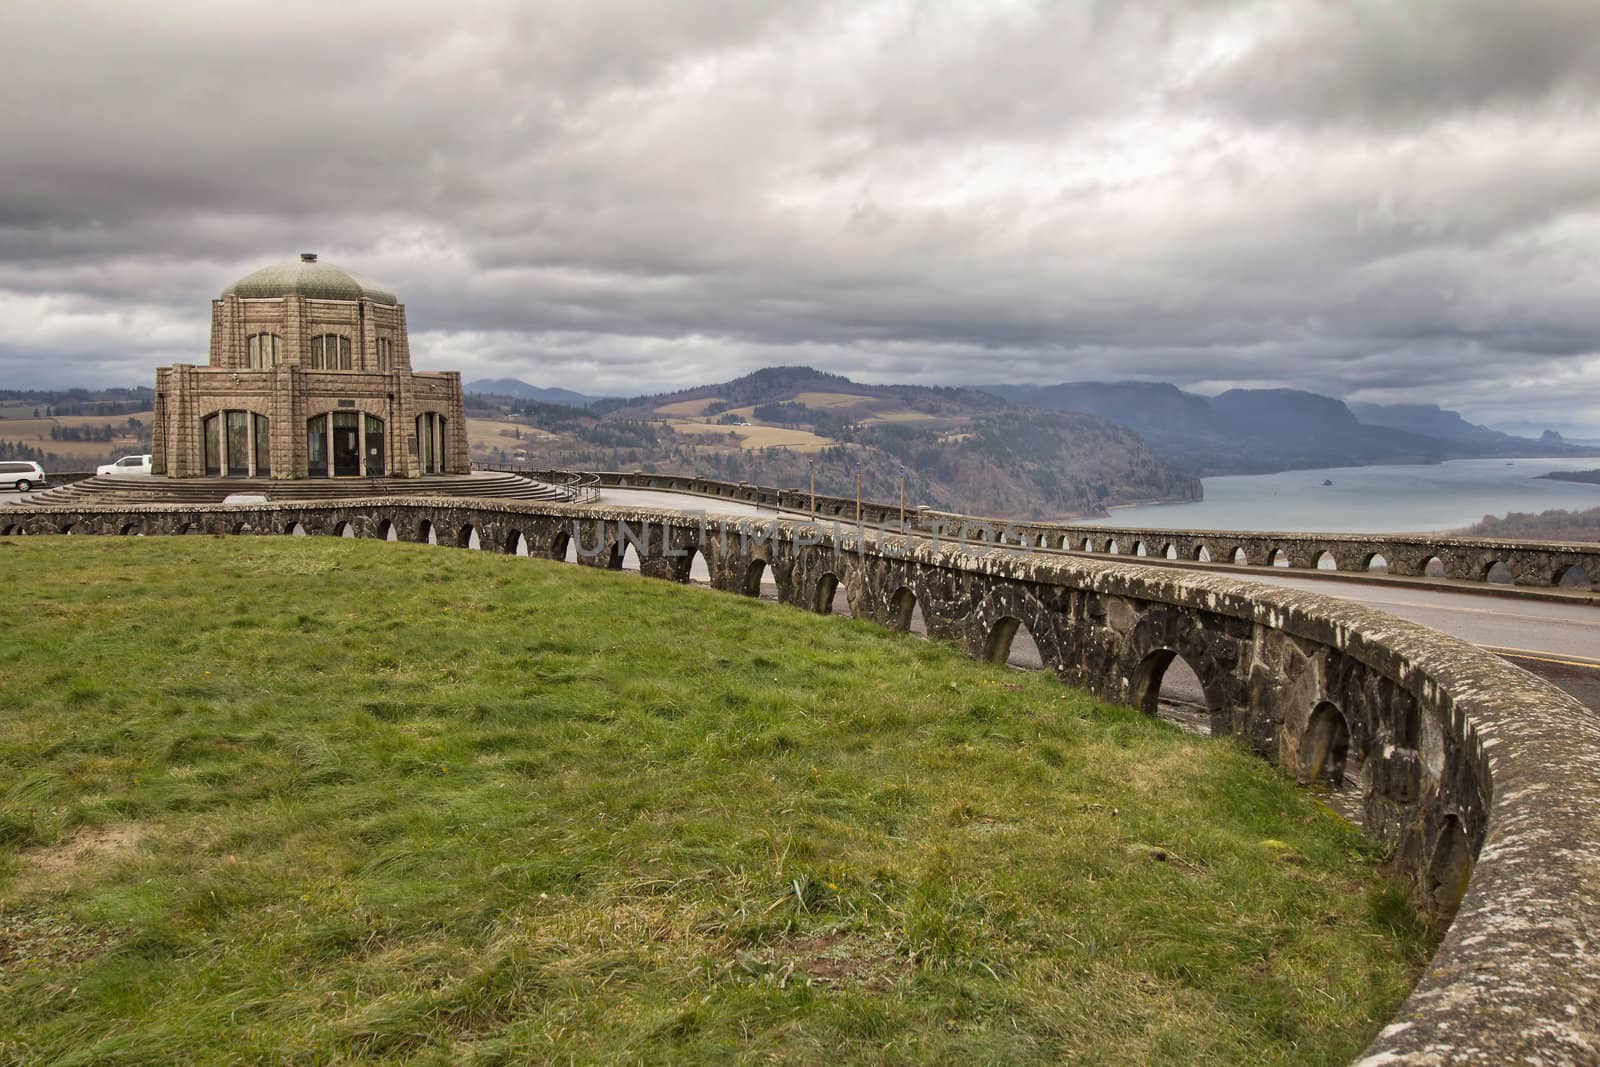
{"points": [[1474, 559], [1484, 779]]}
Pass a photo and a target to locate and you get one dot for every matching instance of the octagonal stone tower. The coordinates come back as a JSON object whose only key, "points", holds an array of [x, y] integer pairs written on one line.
{"points": [[309, 377]]}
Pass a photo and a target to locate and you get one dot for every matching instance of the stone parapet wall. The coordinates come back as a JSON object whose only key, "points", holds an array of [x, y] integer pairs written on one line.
{"points": [[1483, 778]]}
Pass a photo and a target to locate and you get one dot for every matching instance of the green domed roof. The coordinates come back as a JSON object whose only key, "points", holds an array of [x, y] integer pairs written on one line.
{"points": [[307, 277]]}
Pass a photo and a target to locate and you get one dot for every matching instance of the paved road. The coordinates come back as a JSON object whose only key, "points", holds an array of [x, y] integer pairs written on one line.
{"points": [[1559, 642]]}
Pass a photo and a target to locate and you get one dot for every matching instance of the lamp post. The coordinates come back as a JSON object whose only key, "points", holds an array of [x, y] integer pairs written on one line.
{"points": [[858, 492], [902, 499]]}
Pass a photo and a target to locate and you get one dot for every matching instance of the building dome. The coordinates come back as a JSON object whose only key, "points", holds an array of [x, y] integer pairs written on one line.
{"points": [[309, 278]]}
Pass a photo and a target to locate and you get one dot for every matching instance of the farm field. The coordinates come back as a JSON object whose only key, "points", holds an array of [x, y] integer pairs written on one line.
{"points": [[348, 799], [35, 433], [486, 434], [756, 436]]}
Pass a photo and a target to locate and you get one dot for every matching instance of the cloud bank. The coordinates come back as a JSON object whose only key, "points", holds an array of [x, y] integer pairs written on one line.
{"points": [[1383, 202]]}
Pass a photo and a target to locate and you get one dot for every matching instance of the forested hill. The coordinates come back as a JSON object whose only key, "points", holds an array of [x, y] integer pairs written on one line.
{"points": [[961, 448]]}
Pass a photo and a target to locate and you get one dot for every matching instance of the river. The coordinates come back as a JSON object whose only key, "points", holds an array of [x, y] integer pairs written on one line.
{"points": [[1385, 499]]}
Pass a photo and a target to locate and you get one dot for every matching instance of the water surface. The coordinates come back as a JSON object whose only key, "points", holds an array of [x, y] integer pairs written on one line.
{"points": [[1387, 499]]}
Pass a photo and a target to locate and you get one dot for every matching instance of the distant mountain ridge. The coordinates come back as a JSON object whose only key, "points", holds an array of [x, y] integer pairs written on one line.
{"points": [[521, 390], [1258, 431], [1433, 421]]}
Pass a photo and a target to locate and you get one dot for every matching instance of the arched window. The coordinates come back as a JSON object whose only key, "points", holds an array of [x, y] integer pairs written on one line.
{"points": [[264, 350], [236, 444], [329, 351], [431, 442], [385, 355]]}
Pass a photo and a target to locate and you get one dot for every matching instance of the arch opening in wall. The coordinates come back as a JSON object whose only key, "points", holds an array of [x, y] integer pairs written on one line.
{"points": [[1497, 573], [826, 593], [1449, 868], [344, 529], [1111, 547], [1574, 577], [1202, 554], [1140, 549], [1326, 562], [66, 528], [129, 529], [1170, 551], [755, 576], [563, 548], [1166, 683], [697, 570], [905, 613], [1012, 643], [297, 530], [426, 534], [387, 531], [628, 559], [1433, 567], [1377, 564], [516, 544], [1279, 558], [467, 537], [1088, 544], [241, 528], [1240, 559], [1325, 747]]}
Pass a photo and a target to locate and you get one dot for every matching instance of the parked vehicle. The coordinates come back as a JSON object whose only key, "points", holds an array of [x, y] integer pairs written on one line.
{"points": [[126, 465], [22, 474]]}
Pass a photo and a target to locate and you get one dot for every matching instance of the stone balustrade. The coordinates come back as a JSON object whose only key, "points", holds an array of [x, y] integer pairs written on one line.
{"points": [[1471, 559]]}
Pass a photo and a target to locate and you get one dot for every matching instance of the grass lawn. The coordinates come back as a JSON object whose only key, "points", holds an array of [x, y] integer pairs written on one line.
{"points": [[314, 799]]}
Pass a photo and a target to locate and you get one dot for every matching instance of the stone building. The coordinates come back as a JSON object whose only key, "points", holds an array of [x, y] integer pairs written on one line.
{"points": [[309, 377]]}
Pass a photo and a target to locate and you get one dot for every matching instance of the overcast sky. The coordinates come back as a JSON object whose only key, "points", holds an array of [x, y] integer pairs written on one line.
{"points": [[1382, 201]]}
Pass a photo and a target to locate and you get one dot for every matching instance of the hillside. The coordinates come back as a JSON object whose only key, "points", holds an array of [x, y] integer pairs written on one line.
{"points": [[961, 448], [1555, 525], [602, 819], [1259, 431]]}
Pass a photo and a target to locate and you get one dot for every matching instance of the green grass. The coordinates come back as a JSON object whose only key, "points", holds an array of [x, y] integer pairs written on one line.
{"points": [[311, 800]]}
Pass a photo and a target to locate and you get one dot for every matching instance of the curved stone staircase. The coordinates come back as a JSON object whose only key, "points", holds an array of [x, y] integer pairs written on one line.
{"points": [[123, 489]]}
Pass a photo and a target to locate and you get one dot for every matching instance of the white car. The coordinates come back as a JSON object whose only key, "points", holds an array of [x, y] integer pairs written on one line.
{"points": [[22, 474], [126, 465]]}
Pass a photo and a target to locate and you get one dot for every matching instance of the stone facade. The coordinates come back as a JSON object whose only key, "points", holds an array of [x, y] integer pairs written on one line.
{"points": [[309, 376]]}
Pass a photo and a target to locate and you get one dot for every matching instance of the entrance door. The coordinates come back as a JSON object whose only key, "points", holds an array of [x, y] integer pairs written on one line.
{"points": [[346, 445], [374, 447]]}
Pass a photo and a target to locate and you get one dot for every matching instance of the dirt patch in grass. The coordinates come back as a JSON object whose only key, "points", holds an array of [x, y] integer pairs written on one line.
{"points": [[843, 959], [51, 867]]}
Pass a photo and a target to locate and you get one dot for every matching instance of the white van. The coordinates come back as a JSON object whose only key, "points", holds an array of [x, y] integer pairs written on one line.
{"points": [[126, 465], [22, 474]]}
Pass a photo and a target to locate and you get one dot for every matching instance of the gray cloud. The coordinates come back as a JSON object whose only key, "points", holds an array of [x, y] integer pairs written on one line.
{"points": [[1386, 202]]}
